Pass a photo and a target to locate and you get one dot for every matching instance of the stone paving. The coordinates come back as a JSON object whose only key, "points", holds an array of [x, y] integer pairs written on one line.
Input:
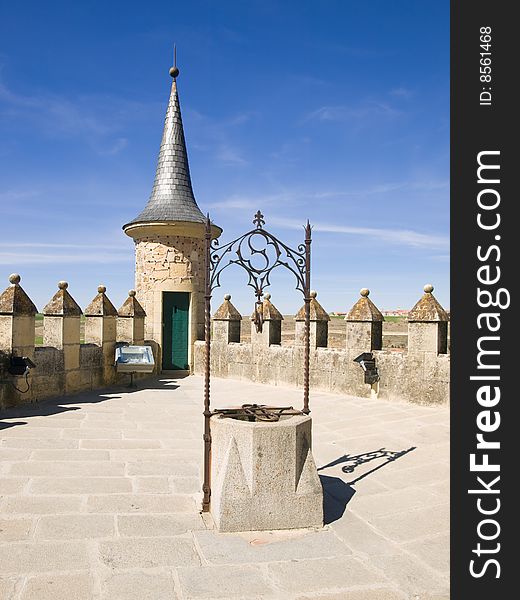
{"points": [[100, 498]]}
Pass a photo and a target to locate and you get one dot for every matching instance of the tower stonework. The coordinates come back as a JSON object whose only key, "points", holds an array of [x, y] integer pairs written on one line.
{"points": [[169, 249], [169, 263]]}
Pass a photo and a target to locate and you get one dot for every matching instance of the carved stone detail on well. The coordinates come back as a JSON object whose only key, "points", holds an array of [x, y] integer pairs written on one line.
{"points": [[264, 476]]}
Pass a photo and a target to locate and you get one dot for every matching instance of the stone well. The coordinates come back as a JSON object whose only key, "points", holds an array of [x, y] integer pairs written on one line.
{"points": [[263, 475]]}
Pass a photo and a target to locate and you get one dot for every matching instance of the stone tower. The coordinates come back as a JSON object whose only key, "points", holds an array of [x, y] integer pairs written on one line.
{"points": [[169, 249]]}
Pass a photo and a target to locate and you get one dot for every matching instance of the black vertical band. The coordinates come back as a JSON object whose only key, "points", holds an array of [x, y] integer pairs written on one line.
{"points": [[484, 247]]}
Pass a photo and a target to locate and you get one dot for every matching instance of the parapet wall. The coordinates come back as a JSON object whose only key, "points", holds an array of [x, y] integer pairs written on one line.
{"points": [[420, 375], [63, 364], [418, 378]]}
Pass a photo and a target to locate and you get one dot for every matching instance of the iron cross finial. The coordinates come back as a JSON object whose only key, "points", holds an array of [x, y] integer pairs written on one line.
{"points": [[259, 220]]}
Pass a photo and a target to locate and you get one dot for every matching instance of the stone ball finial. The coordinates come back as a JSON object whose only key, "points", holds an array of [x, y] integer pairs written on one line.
{"points": [[364, 292], [267, 296], [227, 297], [313, 293], [101, 289], [14, 278], [131, 293], [428, 288], [174, 72], [63, 285]]}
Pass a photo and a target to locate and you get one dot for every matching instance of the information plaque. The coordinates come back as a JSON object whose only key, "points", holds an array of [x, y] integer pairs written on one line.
{"points": [[134, 359]]}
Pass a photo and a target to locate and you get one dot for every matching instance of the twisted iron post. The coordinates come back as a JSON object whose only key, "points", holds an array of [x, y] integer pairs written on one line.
{"points": [[307, 295], [206, 487]]}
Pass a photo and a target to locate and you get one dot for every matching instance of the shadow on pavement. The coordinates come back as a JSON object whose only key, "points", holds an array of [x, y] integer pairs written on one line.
{"points": [[336, 496], [53, 406], [355, 460], [338, 493]]}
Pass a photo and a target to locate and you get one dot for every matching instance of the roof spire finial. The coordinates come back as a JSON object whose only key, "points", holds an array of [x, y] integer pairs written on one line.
{"points": [[174, 71]]}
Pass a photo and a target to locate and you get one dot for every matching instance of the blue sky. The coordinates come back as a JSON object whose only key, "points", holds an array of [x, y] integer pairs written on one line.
{"points": [[333, 110]]}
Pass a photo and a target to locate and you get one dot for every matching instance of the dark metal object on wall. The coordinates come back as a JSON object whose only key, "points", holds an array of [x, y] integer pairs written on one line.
{"points": [[20, 365], [368, 363], [258, 252]]}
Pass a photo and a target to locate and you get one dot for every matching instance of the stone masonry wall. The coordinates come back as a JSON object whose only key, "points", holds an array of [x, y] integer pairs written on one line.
{"points": [[64, 365], [169, 263], [50, 378], [420, 375], [417, 378]]}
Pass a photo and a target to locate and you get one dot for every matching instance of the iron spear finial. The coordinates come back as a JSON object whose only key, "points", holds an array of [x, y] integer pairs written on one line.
{"points": [[174, 71]]}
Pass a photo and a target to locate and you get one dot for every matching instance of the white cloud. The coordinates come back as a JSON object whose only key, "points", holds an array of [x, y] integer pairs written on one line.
{"points": [[38, 253], [404, 237], [230, 156], [96, 119], [429, 185], [343, 113], [402, 92], [30, 258], [245, 202], [18, 244]]}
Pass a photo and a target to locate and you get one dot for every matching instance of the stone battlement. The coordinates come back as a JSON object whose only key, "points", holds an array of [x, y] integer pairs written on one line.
{"points": [[63, 364], [420, 375]]}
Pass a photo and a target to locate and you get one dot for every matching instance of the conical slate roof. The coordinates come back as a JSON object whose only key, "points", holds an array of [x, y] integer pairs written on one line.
{"points": [[172, 196]]}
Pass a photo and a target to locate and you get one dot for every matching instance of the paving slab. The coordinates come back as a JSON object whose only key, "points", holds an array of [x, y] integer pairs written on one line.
{"points": [[57, 527], [78, 586], [16, 529], [7, 587], [140, 585], [143, 503], [148, 553], [40, 505], [100, 499], [79, 485], [332, 574], [373, 593], [218, 548], [158, 525], [30, 557], [225, 582]]}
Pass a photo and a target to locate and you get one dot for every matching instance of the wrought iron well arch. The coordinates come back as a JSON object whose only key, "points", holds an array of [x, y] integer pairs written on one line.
{"points": [[218, 258]]}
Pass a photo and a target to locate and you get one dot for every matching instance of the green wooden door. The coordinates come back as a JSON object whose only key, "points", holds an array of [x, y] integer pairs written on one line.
{"points": [[175, 330]]}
